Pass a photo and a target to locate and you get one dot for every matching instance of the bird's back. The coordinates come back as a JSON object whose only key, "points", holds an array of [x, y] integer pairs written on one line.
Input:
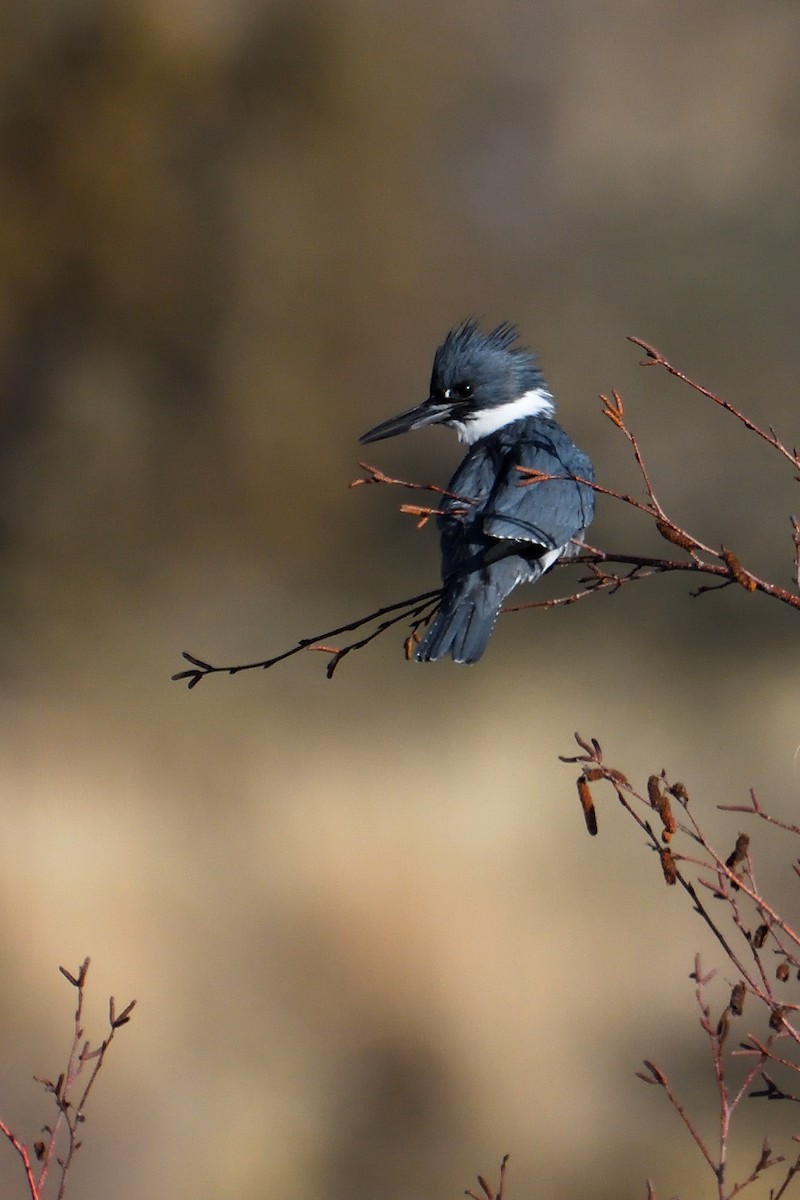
{"points": [[497, 531], [548, 512]]}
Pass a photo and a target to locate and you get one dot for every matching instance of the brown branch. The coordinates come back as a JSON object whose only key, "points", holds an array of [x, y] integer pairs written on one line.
{"points": [[414, 607], [727, 566], [765, 1161], [22, 1151], [790, 1174], [721, 565], [732, 881], [656, 359], [377, 476], [660, 1078], [486, 1188], [755, 809], [70, 1110], [424, 605]]}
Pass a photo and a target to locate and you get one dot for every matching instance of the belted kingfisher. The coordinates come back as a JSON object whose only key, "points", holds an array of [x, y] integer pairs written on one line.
{"points": [[495, 534]]}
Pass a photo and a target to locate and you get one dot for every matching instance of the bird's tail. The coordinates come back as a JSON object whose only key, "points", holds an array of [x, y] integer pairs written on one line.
{"points": [[467, 615]]}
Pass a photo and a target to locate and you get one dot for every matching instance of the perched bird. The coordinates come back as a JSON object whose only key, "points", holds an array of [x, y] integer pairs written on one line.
{"points": [[495, 534]]}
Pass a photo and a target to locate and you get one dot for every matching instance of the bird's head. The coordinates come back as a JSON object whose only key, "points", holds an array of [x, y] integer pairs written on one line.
{"points": [[480, 382]]}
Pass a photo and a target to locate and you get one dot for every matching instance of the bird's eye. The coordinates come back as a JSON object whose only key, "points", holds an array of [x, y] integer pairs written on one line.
{"points": [[463, 390]]}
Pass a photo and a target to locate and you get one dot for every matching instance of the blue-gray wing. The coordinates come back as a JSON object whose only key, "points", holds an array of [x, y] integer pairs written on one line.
{"points": [[496, 534], [548, 512]]}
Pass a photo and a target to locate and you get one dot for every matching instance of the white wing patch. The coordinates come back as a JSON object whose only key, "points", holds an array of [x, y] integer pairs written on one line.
{"points": [[540, 566], [550, 557]]}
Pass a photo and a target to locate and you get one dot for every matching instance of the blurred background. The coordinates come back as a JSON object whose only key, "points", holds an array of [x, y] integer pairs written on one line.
{"points": [[373, 947]]}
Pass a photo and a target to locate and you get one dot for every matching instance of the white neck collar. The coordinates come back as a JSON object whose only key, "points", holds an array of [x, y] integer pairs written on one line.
{"points": [[536, 403]]}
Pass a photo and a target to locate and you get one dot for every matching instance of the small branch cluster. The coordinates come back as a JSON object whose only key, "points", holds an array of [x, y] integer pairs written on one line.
{"points": [[607, 571], [656, 359], [417, 610], [757, 941], [70, 1092], [488, 1192], [722, 563]]}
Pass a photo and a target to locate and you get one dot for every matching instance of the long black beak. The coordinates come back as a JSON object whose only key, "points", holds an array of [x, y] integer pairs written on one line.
{"points": [[430, 413]]}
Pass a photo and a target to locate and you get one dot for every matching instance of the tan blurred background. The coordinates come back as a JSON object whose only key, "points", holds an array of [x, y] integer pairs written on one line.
{"points": [[372, 945]]}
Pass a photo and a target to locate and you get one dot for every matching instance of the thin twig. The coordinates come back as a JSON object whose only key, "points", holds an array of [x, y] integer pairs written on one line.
{"points": [[719, 564], [412, 607], [486, 1188], [377, 476], [660, 1078], [70, 1112], [22, 1151], [733, 880], [656, 358]]}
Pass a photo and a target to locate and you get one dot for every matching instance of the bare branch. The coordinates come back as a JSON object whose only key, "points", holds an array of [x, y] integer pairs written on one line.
{"points": [[22, 1151], [70, 1107], [655, 358], [745, 914], [375, 475], [722, 565], [415, 607], [488, 1192]]}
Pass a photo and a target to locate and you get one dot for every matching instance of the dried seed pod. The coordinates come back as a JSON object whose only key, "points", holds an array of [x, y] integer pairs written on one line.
{"points": [[587, 804], [668, 865], [654, 791], [760, 936], [738, 994], [662, 806], [776, 1017], [667, 819], [677, 536], [739, 852], [782, 972], [737, 570]]}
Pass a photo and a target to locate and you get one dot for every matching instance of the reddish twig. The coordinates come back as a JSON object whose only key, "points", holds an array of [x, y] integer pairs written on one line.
{"points": [[722, 565], [416, 608], [377, 476], [732, 880], [754, 809], [656, 359], [488, 1192], [22, 1151], [71, 1108], [656, 1075]]}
